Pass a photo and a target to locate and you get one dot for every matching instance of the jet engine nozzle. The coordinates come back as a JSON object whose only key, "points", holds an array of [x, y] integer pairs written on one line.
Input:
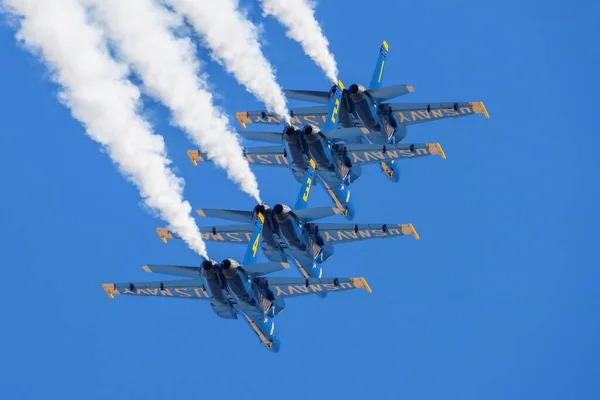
{"points": [[357, 92], [311, 133], [209, 268], [282, 212], [230, 267], [261, 208]]}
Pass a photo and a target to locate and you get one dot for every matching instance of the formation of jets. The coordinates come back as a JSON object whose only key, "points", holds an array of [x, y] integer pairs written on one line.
{"points": [[327, 144]]}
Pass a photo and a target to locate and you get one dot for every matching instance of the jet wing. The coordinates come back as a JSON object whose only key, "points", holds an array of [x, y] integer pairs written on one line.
{"points": [[293, 287], [299, 116], [375, 153], [416, 113], [273, 156], [227, 233], [183, 289], [262, 136], [314, 96], [344, 233]]}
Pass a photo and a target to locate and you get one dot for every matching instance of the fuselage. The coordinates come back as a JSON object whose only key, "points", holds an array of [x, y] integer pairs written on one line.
{"points": [[285, 236], [234, 293]]}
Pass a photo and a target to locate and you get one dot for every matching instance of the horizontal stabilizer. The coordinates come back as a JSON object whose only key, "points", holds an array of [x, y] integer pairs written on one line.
{"points": [[175, 270], [265, 268], [313, 214], [375, 153], [314, 96], [261, 136], [231, 215], [292, 287], [389, 92]]}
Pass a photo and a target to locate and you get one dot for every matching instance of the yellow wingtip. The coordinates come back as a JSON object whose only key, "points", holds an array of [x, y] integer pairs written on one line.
{"points": [[161, 234], [440, 151], [243, 118], [108, 288], [191, 156], [366, 285], [201, 212], [410, 88], [484, 109], [146, 268], [385, 44], [414, 231]]}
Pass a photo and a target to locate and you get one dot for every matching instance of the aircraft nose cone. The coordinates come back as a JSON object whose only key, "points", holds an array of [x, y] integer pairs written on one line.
{"points": [[354, 88]]}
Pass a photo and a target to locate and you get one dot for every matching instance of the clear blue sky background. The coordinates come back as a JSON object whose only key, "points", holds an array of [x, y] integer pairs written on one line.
{"points": [[498, 300]]}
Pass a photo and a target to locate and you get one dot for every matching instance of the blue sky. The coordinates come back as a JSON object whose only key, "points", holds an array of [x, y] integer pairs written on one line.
{"points": [[497, 300]]}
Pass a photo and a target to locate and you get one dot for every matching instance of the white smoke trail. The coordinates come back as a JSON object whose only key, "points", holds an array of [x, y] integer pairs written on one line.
{"points": [[298, 16], [142, 30], [96, 89], [234, 42]]}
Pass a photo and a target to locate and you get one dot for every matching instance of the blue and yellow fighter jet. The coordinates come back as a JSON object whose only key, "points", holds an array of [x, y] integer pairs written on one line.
{"points": [[291, 235], [338, 163], [371, 132], [233, 289]]}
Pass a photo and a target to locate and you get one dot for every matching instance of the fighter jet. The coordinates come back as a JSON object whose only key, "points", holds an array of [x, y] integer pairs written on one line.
{"points": [[291, 234], [237, 289], [338, 163]]}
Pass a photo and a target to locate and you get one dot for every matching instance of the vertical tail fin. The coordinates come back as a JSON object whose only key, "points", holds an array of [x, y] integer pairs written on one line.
{"points": [[377, 78], [302, 200], [332, 120], [250, 257]]}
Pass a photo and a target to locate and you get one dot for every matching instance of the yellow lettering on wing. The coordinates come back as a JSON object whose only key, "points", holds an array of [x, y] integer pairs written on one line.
{"points": [[295, 120], [200, 293], [274, 119], [217, 236], [250, 159], [392, 154], [153, 292], [403, 117], [437, 113], [378, 233], [425, 114], [280, 159], [264, 159], [293, 289], [280, 291], [450, 113], [311, 119], [328, 237], [142, 291], [259, 119], [234, 236], [421, 152], [394, 232], [356, 158], [182, 292], [302, 288], [330, 286], [316, 288], [416, 116], [346, 285], [364, 234], [465, 110], [127, 291], [166, 292], [248, 236]]}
